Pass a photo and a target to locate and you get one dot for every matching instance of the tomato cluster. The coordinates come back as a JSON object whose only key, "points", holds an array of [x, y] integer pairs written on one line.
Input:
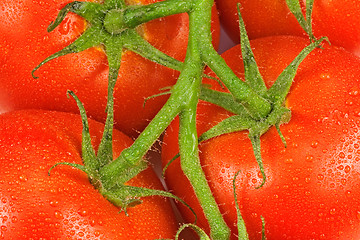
{"points": [[312, 174]]}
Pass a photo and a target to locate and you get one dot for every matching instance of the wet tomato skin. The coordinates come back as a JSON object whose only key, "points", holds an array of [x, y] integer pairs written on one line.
{"points": [[25, 43], [337, 19], [312, 187], [64, 205]]}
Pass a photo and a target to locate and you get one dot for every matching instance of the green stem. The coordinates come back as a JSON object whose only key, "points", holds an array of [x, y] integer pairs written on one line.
{"points": [[136, 15], [188, 141], [133, 155]]}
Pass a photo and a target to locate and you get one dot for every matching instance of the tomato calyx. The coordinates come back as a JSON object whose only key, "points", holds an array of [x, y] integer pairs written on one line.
{"points": [[113, 25], [275, 95], [97, 165]]}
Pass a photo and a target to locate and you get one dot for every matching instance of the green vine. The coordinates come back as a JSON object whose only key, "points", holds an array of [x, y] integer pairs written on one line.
{"points": [[113, 24]]}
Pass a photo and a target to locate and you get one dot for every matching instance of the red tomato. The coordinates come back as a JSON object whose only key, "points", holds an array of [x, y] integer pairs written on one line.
{"points": [[312, 187], [339, 20], [65, 205], [23, 47]]}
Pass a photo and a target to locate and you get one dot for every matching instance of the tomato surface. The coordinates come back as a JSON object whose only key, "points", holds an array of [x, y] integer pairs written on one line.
{"points": [[312, 186], [64, 205], [25, 43], [339, 20]]}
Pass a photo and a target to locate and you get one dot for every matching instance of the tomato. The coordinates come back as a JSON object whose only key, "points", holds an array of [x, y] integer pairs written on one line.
{"points": [[25, 46], [64, 205], [339, 20], [312, 186]]}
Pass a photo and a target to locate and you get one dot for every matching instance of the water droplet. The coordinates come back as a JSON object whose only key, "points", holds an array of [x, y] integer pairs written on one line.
{"points": [[54, 203], [288, 160], [58, 214], [97, 233], [349, 102], [341, 167], [343, 181], [309, 158], [23, 178], [14, 219], [332, 211], [347, 169], [83, 212], [324, 76], [314, 144], [353, 92], [320, 177], [341, 155]]}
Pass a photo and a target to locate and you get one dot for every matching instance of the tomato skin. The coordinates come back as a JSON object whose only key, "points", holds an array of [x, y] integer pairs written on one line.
{"points": [[65, 205], [339, 20], [312, 187], [25, 46]]}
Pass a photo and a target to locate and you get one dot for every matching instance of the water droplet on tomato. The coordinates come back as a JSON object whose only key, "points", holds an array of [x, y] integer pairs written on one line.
{"points": [[83, 212], [340, 167], [14, 219], [322, 236], [353, 92], [314, 144], [341, 155], [343, 181], [288, 160], [97, 233], [320, 177], [324, 76], [23, 178], [347, 169], [309, 158], [332, 211], [349, 102], [58, 214], [54, 203]]}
